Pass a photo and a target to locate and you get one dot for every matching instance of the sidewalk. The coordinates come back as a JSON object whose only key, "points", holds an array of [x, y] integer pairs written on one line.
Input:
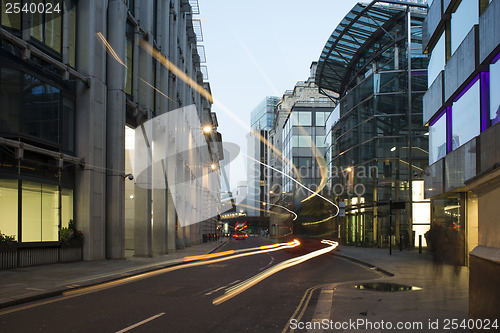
{"points": [[24, 284], [444, 293]]}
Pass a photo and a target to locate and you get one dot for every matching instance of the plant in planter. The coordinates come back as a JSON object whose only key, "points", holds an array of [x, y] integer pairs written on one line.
{"points": [[7, 243], [70, 235]]}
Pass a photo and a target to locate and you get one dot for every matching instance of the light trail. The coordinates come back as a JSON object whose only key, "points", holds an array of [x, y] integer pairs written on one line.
{"points": [[203, 92], [298, 183], [274, 247], [291, 211], [318, 222], [241, 287]]}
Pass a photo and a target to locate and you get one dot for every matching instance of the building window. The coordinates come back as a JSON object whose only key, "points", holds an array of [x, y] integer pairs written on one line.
{"points": [[130, 6], [437, 59], [40, 110], [47, 28], [72, 35], [301, 118], [321, 118], [465, 16], [66, 207], [466, 115], [129, 57], [494, 95], [8, 207], [11, 20], [437, 139], [43, 206], [40, 212], [320, 141]]}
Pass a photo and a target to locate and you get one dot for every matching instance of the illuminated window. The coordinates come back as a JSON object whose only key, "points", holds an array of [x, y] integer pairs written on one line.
{"points": [[8, 207]]}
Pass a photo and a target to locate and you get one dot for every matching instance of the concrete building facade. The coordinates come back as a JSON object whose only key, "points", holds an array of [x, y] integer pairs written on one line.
{"points": [[461, 108], [73, 85]]}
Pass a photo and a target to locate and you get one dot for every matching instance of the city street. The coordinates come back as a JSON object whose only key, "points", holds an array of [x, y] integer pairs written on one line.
{"points": [[181, 300]]}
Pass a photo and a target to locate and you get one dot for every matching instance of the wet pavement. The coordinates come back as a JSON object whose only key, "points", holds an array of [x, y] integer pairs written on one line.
{"points": [[439, 292]]}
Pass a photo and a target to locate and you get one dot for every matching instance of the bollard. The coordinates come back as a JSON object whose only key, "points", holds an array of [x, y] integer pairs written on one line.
{"points": [[420, 244]]}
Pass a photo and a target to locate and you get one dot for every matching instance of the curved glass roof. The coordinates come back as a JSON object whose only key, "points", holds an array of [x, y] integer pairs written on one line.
{"points": [[352, 38]]}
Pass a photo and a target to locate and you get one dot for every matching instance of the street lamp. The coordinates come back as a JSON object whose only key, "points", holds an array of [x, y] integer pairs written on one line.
{"points": [[207, 129], [213, 166]]}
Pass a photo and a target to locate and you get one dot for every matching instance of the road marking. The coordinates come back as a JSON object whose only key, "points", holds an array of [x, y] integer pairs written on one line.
{"points": [[304, 302], [323, 307], [140, 323], [269, 264], [227, 285], [106, 285]]}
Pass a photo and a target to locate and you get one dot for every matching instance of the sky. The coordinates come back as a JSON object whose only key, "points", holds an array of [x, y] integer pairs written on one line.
{"points": [[260, 48]]}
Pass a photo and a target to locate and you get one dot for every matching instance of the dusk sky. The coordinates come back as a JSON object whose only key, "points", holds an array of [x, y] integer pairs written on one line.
{"points": [[261, 48]]}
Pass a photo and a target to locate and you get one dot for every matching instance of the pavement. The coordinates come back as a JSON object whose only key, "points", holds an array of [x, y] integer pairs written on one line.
{"points": [[441, 293], [26, 284]]}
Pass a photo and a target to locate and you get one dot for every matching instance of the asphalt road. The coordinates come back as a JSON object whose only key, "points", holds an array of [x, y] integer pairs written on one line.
{"points": [[181, 300]]}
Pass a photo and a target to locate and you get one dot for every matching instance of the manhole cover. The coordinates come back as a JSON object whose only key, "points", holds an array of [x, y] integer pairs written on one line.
{"points": [[385, 287]]}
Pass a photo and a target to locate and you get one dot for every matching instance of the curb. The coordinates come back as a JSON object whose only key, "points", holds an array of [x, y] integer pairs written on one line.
{"points": [[364, 263], [58, 291]]}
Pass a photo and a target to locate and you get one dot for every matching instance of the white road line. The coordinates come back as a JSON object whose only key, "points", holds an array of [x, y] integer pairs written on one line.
{"points": [[140, 323], [269, 264], [227, 285], [323, 307]]}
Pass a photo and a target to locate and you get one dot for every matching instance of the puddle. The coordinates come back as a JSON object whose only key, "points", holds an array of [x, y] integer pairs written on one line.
{"points": [[385, 287]]}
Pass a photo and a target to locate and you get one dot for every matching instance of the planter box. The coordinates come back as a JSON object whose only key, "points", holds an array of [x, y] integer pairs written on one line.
{"points": [[8, 255], [71, 250], [72, 243]]}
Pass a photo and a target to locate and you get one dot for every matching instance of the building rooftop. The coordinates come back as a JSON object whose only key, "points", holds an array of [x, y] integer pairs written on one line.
{"points": [[352, 38]]}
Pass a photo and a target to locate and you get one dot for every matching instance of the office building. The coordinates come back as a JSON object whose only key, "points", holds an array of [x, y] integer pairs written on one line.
{"points": [[461, 109], [377, 144], [258, 174], [80, 91]]}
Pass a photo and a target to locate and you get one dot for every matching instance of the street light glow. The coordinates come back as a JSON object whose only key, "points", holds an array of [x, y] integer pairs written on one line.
{"points": [[213, 166], [207, 129], [393, 148]]}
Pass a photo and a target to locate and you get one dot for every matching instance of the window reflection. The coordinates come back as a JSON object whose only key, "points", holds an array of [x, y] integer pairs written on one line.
{"points": [[437, 139], [462, 21], [494, 96], [437, 60], [40, 112], [466, 116]]}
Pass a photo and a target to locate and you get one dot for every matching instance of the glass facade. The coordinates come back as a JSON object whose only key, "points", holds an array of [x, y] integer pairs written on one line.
{"points": [[262, 117], [370, 161], [466, 116], [32, 108], [437, 139], [43, 208], [465, 16], [437, 59], [301, 144], [8, 205]]}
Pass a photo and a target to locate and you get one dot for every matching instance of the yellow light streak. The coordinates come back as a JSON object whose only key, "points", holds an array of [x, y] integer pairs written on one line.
{"points": [[175, 70], [318, 222], [208, 256], [242, 286]]}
